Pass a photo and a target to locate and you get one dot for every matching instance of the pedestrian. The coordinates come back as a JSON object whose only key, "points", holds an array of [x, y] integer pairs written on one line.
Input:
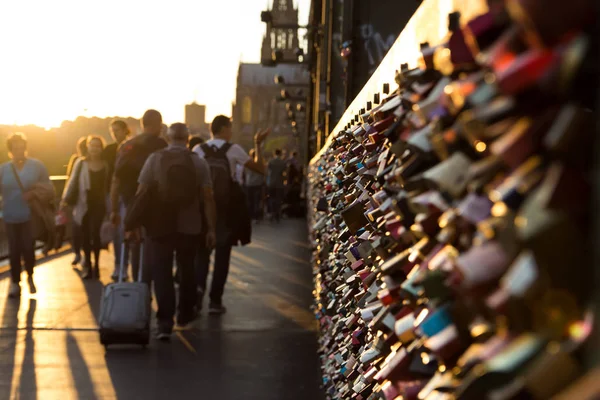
{"points": [[119, 131], [294, 179], [20, 179], [86, 193], [81, 152], [254, 184], [223, 157], [178, 180], [276, 184], [194, 141], [131, 157]]}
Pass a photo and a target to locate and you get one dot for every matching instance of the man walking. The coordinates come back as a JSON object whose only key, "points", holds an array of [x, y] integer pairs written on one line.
{"points": [[223, 159], [130, 159], [179, 181], [119, 131], [276, 184]]}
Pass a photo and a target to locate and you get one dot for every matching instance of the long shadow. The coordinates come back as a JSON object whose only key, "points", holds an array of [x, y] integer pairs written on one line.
{"points": [[28, 381], [8, 342], [94, 290], [39, 260], [79, 370]]}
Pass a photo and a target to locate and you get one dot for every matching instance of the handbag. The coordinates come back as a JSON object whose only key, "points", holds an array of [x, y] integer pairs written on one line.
{"points": [[107, 234], [43, 215], [72, 194]]}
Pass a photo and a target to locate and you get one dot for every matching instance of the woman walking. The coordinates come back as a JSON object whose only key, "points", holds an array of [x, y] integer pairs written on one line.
{"points": [[87, 192], [81, 152], [21, 178]]}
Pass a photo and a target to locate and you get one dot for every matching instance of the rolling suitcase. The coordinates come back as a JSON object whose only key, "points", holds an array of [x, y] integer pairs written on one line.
{"points": [[125, 310]]}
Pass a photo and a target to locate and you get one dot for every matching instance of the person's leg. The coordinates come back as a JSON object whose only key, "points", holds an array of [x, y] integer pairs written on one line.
{"points": [[256, 202], [118, 244], [185, 251], [222, 259], [200, 273], [161, 251], [96, 226], [278, 194], [28, 249], [60, 235], [27, 245], [14, 251], [117, 250], [221, 270], [270, 202], [134, 248], [263, 201], [145, 253], [76, 241], [202, 267], [86, 241], [282, 195]]}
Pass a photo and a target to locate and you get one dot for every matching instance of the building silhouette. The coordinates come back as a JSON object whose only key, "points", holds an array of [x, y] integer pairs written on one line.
{"points": [[195, 119], [256, 106]]}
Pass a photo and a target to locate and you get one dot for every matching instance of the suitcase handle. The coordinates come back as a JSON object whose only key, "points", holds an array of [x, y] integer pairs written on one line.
{"points": [[122, 266]]}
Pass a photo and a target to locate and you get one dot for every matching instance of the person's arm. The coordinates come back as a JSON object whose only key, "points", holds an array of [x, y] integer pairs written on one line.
{"points": [[71, 164], [257, 164], [141, 188]]}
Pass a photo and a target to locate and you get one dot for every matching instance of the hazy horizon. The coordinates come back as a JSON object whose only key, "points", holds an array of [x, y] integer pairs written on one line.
{"points": [[67, 58]]}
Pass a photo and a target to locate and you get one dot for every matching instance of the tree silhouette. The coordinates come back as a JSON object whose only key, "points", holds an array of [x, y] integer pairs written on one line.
{"points": [[54, 146]]}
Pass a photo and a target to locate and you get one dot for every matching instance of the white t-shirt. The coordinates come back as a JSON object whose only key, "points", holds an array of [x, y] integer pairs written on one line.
{"points": [[236, 155]]}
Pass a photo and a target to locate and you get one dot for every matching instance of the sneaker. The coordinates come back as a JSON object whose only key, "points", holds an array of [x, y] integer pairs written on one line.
{"points": [[216, 309], [32, 288], [15, 290], [163, 335]]}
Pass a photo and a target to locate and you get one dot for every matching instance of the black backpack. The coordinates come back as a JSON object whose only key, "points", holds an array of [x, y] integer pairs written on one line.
{"points": [[220, 172], [131, 157], [177, 178]]}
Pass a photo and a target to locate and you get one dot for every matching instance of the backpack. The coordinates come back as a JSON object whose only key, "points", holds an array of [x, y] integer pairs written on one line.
{"points": [[220, 172], [131, 158], [177, 178]]}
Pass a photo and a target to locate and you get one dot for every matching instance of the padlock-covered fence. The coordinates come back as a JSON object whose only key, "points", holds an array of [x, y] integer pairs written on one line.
{"points": [[450, 217]]}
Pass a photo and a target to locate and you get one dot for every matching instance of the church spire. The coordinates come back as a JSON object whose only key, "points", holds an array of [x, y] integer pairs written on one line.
{"points": [[282, 32], [283, 5]]}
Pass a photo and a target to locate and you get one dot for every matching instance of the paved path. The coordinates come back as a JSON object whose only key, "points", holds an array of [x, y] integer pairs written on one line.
{"points": [[264, 348]]}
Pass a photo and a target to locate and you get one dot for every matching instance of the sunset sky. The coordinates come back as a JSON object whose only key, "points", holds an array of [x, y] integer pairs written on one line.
{"points": [[120, 57]]}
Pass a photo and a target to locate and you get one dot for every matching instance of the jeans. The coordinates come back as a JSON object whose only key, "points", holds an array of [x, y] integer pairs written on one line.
{"points": [[221, 269], [254, 198], [161, 263], [276, 200], [21, 246]]}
